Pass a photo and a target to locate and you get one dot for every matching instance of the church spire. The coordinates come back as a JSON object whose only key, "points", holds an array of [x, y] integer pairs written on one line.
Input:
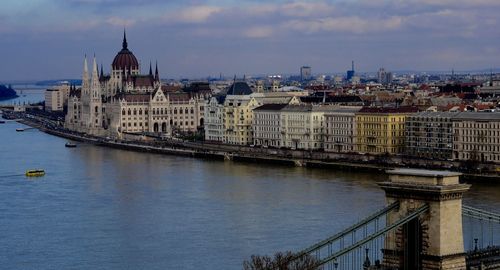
{"points": [[124, 44], [85, 76], [85, 67], [95, 76], [150, 69], [157, 76]]}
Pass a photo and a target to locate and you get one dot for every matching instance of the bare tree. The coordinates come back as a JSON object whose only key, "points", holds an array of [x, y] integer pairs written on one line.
{"points": [[281, 261]]}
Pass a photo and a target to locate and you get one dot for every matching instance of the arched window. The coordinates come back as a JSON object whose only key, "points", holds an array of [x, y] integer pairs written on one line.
{"points": [[123, 111], [161, 110], [186, 111], [135, 112], [129, 112], [140, 111], [146, 112], [175, 111], [96, 109]]}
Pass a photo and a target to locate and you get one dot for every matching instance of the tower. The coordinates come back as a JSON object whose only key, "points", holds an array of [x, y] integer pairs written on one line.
{"points": [[434, 240], [85, 97], [350, 73], [95, 104]]}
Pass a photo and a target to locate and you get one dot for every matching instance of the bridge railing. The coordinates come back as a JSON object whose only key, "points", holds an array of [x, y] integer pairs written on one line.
{"points": [[481, 228], [359, 246]]}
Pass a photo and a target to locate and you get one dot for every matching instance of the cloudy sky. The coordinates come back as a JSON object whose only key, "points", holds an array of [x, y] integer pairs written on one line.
{"points": [[47, 39]]}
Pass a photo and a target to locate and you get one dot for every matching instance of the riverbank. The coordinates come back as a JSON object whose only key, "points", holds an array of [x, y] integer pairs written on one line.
{"points": [[285, 157]]}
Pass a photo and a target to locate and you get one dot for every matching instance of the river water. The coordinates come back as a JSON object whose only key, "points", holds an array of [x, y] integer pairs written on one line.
{"points": [[101, 208]]}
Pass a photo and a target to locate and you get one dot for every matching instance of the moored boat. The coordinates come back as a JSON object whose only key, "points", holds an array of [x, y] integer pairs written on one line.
{"points": [[35, 173], [19, 129], [70, 144]]}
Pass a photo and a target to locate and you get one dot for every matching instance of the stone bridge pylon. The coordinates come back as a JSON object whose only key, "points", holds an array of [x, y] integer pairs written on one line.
{"points": [[434, 240]]}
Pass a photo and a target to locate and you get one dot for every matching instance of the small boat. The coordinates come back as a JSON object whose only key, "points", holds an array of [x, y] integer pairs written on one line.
{"points": [[35, 173], [2, 122], [70, 144], [19, 129]]}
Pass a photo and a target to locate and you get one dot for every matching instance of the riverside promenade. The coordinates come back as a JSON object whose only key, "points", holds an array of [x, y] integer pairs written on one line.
{"points": [[287, 157]]}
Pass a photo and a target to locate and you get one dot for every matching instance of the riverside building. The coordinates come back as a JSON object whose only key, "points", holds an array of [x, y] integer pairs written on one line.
{"points": [[340, 130], [477, 136], [430, 135], [126, 102], [267, 125], [229, 115], [382, 130], [57, 97], [302, 126]]}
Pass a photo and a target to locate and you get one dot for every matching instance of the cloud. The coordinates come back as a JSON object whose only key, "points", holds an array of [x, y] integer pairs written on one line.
{"points": [[352, 24], [193, 14], [259, 32], [306, 9], [117, 21]]}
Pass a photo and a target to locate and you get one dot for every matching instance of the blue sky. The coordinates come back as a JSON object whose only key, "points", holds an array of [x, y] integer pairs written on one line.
{"points": [[47, 39]]}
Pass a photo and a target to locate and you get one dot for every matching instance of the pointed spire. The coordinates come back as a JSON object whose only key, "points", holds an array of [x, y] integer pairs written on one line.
{"points": [[94, 68], [102, 72], [157, 76], [85, 67], [124, 44], [85, 76], [150, 69]]}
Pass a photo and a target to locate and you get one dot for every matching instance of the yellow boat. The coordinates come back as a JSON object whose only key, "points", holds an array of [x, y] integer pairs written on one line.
{"points": [[35, 173]]}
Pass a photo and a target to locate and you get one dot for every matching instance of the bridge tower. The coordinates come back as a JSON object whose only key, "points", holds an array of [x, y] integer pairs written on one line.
{"points": [[434, 240]]}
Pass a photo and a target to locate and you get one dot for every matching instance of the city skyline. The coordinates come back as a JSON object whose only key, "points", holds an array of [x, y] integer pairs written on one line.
{"points": [[47, 39]]}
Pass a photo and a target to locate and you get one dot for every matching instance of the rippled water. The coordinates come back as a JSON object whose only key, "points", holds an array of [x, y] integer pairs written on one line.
{"points": [[101, 208]]}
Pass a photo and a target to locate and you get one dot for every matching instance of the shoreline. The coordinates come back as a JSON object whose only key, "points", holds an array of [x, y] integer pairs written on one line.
{"points": [[245, 154]]}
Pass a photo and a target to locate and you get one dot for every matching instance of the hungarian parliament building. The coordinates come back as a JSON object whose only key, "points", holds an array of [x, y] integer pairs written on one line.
{"points": [[128, 102]]}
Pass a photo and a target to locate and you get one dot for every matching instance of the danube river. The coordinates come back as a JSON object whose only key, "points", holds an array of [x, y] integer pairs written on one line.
{"points": [[101, 208]]}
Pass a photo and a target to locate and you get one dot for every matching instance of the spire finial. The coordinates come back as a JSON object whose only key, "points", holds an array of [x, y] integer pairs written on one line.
{"points": [[157, 76], [124, 44]]}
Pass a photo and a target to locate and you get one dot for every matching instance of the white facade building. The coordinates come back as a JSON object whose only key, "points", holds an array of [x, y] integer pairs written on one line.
{"points": [[302, 126], [476, 136], [340, 130], [267, 125]]}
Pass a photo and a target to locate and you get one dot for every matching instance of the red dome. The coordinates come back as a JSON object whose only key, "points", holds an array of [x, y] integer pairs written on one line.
{"points": [[125, 59]]}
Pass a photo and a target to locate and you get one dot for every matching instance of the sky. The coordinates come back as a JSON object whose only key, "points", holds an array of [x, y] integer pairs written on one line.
{"points": [[48, 39]]}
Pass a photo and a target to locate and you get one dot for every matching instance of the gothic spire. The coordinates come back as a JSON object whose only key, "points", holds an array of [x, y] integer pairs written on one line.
{"points": [[85, 67], [150, 69], [124, 44], [85, 77], [157, 76]]}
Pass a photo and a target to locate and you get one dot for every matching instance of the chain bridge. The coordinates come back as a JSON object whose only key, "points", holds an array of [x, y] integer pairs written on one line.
{"points": [[422, 227]]}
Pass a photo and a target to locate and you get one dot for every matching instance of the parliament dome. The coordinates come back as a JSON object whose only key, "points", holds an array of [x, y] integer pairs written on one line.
{"points": [[125, 59]]}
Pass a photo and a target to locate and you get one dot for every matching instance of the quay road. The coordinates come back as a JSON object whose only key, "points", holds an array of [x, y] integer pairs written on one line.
{"points": [[344, 161]]}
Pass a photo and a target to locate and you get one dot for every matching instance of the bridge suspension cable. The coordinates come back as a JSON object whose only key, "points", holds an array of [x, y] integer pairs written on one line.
{"points": [[369, 238], [479, 213], [345, 232]]}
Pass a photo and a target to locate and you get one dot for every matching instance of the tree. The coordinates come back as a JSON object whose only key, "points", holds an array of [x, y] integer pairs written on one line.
{"points": [[281, 261]]}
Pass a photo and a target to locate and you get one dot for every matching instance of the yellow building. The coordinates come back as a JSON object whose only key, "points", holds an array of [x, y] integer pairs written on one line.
{"points": [[238, 116], [382, 130]]}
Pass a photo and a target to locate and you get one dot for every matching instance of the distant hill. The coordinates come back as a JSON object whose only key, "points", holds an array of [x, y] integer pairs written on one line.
{"points": [[6, 92]]}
